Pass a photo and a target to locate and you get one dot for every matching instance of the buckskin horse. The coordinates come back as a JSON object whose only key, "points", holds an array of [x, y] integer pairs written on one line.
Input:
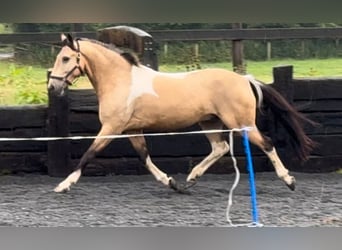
{"points": [[133, 97]]}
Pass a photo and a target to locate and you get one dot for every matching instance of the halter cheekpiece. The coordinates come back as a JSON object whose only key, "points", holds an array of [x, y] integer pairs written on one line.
{"points": [[77, 66]]}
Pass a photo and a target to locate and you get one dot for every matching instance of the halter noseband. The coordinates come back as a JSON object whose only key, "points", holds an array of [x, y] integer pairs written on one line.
{"points": [[77, 66]]}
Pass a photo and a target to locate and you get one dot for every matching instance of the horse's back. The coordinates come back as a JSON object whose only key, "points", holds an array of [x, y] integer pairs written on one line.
{"points": [[208, 79], [219, 86]]}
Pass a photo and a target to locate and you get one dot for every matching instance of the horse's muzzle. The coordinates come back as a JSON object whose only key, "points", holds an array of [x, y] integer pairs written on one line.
{"points": [[56, 87]]}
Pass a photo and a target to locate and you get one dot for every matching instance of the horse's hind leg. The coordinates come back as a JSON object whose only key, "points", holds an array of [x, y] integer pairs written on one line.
{"points": [[266, 145], [218, 145], [139, 144]]}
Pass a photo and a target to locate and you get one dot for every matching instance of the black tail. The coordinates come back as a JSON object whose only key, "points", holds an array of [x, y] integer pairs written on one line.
{"points": [[291, 119]]}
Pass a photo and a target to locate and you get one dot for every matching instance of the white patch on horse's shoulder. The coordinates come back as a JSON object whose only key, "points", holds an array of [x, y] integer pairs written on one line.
{"points": [[142, 82]]}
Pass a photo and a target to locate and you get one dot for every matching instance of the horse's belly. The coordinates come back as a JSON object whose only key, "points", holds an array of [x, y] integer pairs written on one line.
{"points": [[166, 121]]}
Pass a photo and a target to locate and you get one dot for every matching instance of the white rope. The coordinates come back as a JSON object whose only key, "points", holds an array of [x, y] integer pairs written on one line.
{"points": [[235, 183], [85, 137]]}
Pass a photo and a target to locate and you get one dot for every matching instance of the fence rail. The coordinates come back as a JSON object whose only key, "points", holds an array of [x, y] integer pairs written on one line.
{"points": [[193, 35], [45, 37], [246, 34]]}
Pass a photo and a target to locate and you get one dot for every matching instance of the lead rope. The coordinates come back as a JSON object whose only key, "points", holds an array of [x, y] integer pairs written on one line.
{"points": [[235, 183]]}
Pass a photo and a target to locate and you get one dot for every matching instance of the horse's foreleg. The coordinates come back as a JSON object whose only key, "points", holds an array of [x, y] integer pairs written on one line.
{"points": [[219, 148], [97, 145], [139, 144]]}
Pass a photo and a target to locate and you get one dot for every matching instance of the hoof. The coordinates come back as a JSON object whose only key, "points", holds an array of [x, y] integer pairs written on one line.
{"points": [[190, 184], [178, 188], [173, 184], [60, 189], [292, 184]]}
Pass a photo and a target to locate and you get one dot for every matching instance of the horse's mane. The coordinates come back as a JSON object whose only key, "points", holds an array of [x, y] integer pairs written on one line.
{"points": [[128, 55]]}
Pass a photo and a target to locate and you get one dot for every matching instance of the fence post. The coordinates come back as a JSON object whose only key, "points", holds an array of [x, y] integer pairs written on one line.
{"points": [[237, 52], [58, 162], [283, 83], [149, 56], [269, 50], [283, 77]]}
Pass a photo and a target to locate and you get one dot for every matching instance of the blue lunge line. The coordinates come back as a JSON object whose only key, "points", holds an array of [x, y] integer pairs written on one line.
{"points": [[251, 178]]}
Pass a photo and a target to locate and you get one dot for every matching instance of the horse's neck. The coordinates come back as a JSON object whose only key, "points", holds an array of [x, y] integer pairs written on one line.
{"points": [[103, 67]]}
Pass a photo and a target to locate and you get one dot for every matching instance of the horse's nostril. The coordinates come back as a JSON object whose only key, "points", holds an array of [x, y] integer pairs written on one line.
{"points": [[51, 87]]}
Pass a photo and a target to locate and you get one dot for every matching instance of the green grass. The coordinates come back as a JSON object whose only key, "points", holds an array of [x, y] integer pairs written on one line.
{"points": [[21, 84], [263, 70], [301, 68], [26, 84]]}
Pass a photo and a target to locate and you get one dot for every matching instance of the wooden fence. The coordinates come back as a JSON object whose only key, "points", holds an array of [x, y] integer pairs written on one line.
{"points": [[26, 156], [321, 100], [237, 35], [76, 114], [192, 35]]}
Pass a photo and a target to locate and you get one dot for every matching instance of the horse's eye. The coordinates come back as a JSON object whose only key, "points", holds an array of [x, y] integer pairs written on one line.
{"points": [[65, 59]]}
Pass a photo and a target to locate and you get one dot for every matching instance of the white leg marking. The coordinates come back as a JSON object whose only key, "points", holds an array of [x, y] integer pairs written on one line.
{"points": [[218, 150], [280, 169], [157, 173], [71, 179]]}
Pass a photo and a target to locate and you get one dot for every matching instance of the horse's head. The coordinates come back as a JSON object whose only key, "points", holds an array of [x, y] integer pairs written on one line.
{"points": [[67, 67]]}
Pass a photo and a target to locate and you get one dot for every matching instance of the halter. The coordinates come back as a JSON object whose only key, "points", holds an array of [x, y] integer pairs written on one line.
{"points": [[77, 66]]}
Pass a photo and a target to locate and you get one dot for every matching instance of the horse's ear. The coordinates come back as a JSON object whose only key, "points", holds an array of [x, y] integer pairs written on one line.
{"points": [[68, 40], [64, 39]]}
